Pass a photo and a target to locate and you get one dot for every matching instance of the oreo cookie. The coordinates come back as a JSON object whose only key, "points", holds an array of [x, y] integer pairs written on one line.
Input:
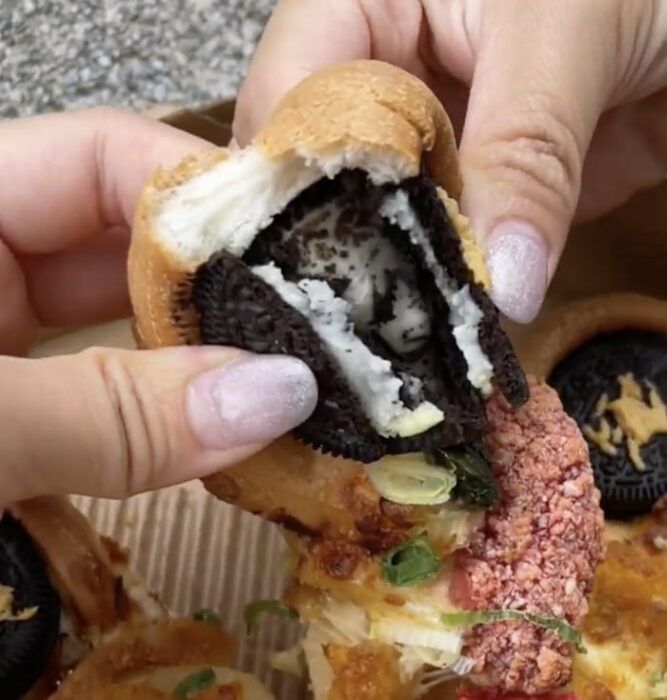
{"points": [[25, 644], [614, 387], [368, 285]]}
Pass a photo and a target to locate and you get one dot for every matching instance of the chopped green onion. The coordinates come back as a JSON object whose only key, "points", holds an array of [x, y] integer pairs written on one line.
{"points": [[254, 612], [410, 563], [206, 615], [410, 480], [475, 483], [561, 628], [195, 683]]}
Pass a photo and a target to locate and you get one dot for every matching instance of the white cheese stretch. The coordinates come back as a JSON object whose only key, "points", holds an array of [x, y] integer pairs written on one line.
{"points": [[370, 377], [465, 315]]}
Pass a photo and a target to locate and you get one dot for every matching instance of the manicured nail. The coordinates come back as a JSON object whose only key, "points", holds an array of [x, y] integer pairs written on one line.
{"points": [[252, 401], [517, 258]]}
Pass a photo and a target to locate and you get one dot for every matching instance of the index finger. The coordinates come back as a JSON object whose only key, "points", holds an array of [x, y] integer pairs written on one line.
{"points": [[68, 177], [301, 37]]}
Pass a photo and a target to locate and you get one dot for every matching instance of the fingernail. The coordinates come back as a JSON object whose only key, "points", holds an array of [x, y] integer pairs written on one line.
{"points": [[252, 401], [517, 258]]}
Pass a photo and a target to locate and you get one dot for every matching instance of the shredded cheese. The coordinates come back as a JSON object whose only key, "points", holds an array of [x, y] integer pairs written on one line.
{"points": [[7, 613]]}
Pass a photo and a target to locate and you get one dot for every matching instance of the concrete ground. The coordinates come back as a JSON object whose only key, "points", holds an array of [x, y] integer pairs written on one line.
{"points": [[62, 54]]}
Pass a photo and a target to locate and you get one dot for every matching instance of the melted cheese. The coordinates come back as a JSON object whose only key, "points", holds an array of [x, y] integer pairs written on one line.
{"points": [[602, 436], [637, 420], [625, 631], [351, 614]]}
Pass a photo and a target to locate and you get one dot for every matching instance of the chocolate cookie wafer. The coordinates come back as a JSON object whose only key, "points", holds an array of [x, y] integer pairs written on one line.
{"points": [[369, 286]]}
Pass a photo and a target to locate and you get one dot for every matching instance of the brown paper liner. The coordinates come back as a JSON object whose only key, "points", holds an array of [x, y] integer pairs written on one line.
{"points": [[197, 552]]}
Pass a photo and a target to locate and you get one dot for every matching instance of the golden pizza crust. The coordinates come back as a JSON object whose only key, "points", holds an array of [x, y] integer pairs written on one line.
{"points": [[367, 105], [362, 107], [309, 492], [137, 649], [571, 325]]}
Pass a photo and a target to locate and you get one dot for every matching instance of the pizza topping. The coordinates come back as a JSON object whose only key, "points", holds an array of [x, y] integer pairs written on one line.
{"points": [[475, 482], [409, 480], [561, 628], [254, 612], [195, 683], [659, 686], [410, 563], [206, 615], [7, 613], [478, 694]]}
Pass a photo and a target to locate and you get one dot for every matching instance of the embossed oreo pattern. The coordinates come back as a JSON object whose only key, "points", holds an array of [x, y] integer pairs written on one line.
{"points": [[25, 645], [590, 371]]}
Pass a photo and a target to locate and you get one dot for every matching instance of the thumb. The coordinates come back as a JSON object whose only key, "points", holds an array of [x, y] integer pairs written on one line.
{"points": [[539, 86], [111, 423]]}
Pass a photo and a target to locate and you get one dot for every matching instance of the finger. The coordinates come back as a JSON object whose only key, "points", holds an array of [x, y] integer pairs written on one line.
{"points": [[75, 175], [18, 323], [116, 422], [628, 153], [542, 79], [86, 284], [302, 36], [70, 178]]}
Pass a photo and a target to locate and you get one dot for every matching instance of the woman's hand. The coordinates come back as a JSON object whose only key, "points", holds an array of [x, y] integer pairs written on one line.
{"points": [[562, 106], [110, 422]]}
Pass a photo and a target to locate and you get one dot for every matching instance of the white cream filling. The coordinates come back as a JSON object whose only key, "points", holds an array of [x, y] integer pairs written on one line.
{"points": [[465, 315], [225, 207], [166, 679], [370, 377], [367, 270]]}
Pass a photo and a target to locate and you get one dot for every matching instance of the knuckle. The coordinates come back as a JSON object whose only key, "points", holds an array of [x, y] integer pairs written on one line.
{"points": [[541, 156], [639, 48], [138, 442]]}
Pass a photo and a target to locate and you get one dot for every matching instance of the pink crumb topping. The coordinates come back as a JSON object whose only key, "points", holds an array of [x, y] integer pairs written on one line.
{"points": [[538, 549]]}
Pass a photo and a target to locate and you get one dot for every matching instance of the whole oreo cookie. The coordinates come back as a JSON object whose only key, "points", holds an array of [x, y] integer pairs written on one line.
{"points": [[25, 645], [614, 386]]}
